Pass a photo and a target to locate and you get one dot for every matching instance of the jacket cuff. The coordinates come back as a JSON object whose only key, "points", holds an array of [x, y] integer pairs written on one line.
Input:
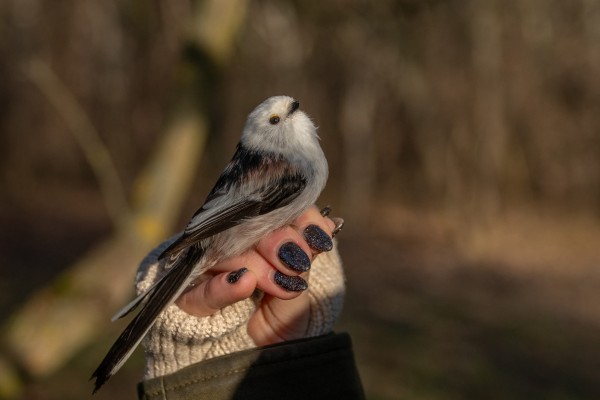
{"points": [[321, 367]]}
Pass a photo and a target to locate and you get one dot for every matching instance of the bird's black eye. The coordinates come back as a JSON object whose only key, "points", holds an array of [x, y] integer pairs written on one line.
{"points": [[274, 120]]}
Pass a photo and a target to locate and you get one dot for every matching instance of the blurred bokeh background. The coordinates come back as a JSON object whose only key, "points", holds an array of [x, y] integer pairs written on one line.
{"points": [[464, 146]]}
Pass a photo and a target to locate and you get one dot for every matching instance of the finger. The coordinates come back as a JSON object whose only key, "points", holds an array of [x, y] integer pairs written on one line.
{"points": [[316, 230], [313, 216], [290, 249], [339, 224], [325, 211], [282, 286], [287, 251], [291, 283], [269, 278], [279, 320], [218, 292]]}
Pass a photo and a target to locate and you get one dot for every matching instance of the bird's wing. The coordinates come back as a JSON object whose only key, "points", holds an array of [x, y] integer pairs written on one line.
{"points": [[277, 184]]}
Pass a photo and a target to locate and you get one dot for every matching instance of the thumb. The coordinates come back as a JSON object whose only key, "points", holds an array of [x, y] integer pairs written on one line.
{"points": [[277, 320]]}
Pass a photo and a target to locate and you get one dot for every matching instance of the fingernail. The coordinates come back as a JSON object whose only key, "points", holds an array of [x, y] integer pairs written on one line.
{"points": [[317, 238], [294, 257], [339, 224], [325, 211], [235, 276], [290, 283]]}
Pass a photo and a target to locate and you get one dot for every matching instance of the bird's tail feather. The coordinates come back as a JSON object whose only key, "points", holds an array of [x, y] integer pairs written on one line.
{"points": [[163, 294], [133, 304]]}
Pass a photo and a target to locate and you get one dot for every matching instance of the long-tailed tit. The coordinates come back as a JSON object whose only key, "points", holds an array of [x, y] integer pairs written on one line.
{"points": [[277, 172]]}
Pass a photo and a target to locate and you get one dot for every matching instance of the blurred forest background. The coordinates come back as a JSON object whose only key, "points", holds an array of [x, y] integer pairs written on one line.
{"points": [[464, 147]]}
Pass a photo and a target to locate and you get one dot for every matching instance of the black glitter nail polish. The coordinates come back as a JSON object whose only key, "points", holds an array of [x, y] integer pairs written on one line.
{"points": [[294, 257], [235, 276], [290, 283], [317, 239], [325, 211]]}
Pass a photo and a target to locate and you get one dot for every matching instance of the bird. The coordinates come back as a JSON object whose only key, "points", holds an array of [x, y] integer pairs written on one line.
{"points": [[277, 172]]}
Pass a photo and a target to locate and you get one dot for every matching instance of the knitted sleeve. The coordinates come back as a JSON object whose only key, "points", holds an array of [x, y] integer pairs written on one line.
{"points": [[178, 339]]}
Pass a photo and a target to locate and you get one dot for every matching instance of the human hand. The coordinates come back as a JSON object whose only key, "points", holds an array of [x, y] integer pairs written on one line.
{"points": [[279, 266], [220, 314]]}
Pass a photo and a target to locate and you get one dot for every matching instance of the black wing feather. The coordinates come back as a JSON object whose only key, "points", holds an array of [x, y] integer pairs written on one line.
{"points": [[228, 218], [279, 193], [283, 192]]}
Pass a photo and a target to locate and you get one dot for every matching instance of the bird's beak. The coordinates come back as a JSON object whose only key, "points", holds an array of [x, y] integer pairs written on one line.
{"points": [[294, 106]]}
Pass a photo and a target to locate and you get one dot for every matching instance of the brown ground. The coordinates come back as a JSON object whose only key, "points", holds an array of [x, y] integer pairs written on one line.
{"points": [[506, 310]]}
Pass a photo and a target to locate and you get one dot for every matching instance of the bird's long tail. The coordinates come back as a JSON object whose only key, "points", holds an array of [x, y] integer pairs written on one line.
{"points": [[165, 292]]}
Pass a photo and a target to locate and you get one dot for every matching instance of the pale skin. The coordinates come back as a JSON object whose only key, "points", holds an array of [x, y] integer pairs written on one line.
{"points": [[282, 315]]}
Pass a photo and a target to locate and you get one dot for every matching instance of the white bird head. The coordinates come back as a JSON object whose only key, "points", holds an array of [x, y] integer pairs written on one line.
{"points": [[278, 125]]}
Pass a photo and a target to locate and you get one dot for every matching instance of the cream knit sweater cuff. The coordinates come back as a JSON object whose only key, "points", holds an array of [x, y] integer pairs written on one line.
{"points": [[178, 339]]}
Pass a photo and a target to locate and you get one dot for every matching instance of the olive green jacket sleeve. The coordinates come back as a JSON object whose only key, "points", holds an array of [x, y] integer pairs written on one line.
{"points": [[320, 367]]}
